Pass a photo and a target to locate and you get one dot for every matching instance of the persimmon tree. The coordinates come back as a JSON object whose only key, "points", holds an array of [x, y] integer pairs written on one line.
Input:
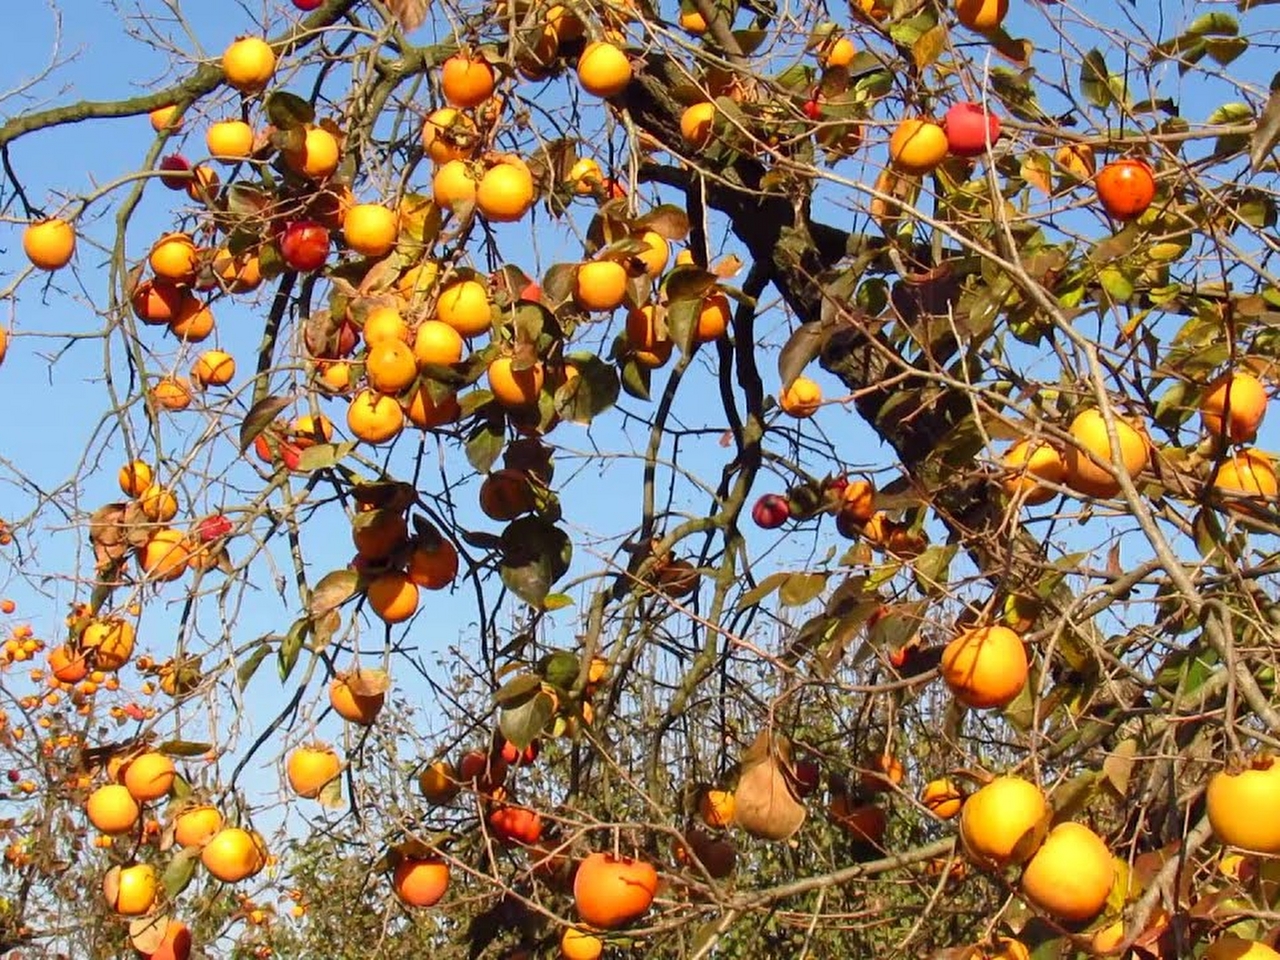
{"points": [[805, 468]]}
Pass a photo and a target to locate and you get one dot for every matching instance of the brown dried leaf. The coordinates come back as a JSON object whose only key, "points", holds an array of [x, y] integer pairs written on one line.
{"points": [[368, 682], [147, 933], [764, 804], [410, 13]]}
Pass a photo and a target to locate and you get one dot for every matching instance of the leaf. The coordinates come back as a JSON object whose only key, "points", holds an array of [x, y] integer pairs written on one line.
{"points": [[288, 111], [411, 13], [520, 688], [764, 804], [535, 553], [524, 723], [334, 589], [762, 589], [556, 601], [322, 456], [801, 588], [1117, 767], [800, 349], [929, 46], [484, 445], [246, 670], [330, 795], [184, 748], [291, 646], [1094, 78], [1268, 130], [177, 875], [260, 416], [146, 934], [635, 379], [667, 221], [594, 390]]}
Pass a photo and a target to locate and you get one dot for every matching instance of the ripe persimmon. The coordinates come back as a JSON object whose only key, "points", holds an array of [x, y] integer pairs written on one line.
{"points": [[1244, 807], [109, 641], [248, 63], [213, 368], [174, 258], [158, 301], [578, 944], [433, 565], [505, 191], [512, 387], [67, 665], [465, 306], [1031, 464], [425, 412], [318, 155], [1248, 479], [611, 891], [917, 146], [194, 826], [1070, 875], [603, 69], [697, 123], [864, 822], [165, 555], [1126, 188], [193, 320], [390, 366], [229, 140], [715, 807], [384, 323], [134, 477], [310, 769], [49, 244], [648, 349], [985, 667], [656, 254], [131, 891], [713, 317], [599, 285], [435, 342], [982, 15], [1083, 473], [466, 81], [453, 183], [374, 417], [1240, 399], [439, 782], [112, 809], [505, 494], [801, 399], [942, 797], [1003, 822], [232, 854], [449, 134], [420, 882], [371, 229], [393, 597], [149, 776], [377, 533]]}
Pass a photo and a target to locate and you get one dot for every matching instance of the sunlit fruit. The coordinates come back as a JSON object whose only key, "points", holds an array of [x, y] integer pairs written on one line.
{"points": [[304, 245], [174, 258], [985, 667], [311, 769], [1244, 807], [454, 183], [837, 51], [512, 386], [981, 15], [306, 430], [917, 146], [67, 664], [1239, 399], [134, 477], [165, 118], [578, 944], [109, 641], [112, 809], [354, 705], [435, 342], [131, 890], [656, 254], [603, 69], [231, 855], [1247, 476], [465, 306], [696, 124], [393, 596], [1126, 188], [165, 555], [599, 285], [237, 273], [1071, 874], [149, 776], [449, 134], [370, 229], [318, 155], [420, 882], [692, 20], [858, 501], [248, 64], [384, 323], [505, 191], [193, 321], [1003, 822], [970, 129], [213, 368], [1031, 464], [159, 301], [466, 81], [1235, 948], [195, 826], [229, 140], [611, 891], [1086, 476], [49, 244], [175, 943], [427, 412], [390, 366], [438, 782], [647, 348], [713, 318], [374, 417], [715, 807], [942, 797], [802, 399], [172, 393]]}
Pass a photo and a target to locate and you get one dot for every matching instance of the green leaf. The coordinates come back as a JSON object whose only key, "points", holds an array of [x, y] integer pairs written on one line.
{"points": [[1118, 286], [484, 445], [560, 668], [524, 723], [177, 875], [535, 553], [520, 688], [931, 568], [762, 589], [801, 588], [291, 646], [635, 379], [249, 666], [1214, 24], [184, 748], [322, 456], [1094, 79], [334, 589], [260, 416], [593, 391], [1227, 49]]}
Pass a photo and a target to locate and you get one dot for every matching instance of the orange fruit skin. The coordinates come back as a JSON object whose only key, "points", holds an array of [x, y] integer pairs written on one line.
{"points": [[1030, 462], [437, 342], [149, 776], [439, 783], [917, 146], [174, 258], [943, 798], [158, 301], [865, 822], [131, 890], [390, 366], [647, 348], [214, 368], [1003, 821], [371, 229], [1248, 474], [384, 323], [512, 387], [453, 183], [1125, 188], [165, 555], [505, 494], [419, 882], [162, 118], [1071, 874], [448, 134], [434, 566], [1248, 406], [603, 69], [1235, 948], [195, 826], [49, 244], [1090, 433], [374, 417], [611, 892], [697, 123], [858, 501], [379, 533], [465, 306], [986, 667], [318, 157], [802, 399], [248, 63], [580, 945], [981, 15], [466, 82], [112, 809], [1244, 808], [599, 285], [425, 412], [134, 477], [193, 321], [229, 140], [354, 707], [393, 597], [713, 320], [67, 665], [176, 944], [232, 855], [111, 642], [505, 192], [309, 769], [656, 256], [715, 807]]}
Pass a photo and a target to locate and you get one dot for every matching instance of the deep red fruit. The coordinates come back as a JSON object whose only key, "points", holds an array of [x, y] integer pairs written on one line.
{"points": [[305, 245], [968, 127], [813, 109], [807, 777], [306, 5], [178, 164], [1126, 187], [771, 511], [213, 528], [515, 757]]}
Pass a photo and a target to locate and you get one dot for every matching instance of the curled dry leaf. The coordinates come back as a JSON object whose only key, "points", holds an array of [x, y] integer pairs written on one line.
{"points": [[108, 534], [367, 681], [410, 13], [765, 803], [147, 933]]}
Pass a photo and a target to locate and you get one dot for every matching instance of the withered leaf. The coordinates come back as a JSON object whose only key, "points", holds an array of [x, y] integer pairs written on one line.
{"points": [[410, 13], [765, 805]]}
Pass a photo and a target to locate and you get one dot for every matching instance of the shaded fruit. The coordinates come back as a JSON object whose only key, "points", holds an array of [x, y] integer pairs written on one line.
{"points": [[514, 387], [697, 122], [393, 597], [1235, 948], [438, 782], [611, 891], [715, 807], [420, 882], [942, 797]]}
